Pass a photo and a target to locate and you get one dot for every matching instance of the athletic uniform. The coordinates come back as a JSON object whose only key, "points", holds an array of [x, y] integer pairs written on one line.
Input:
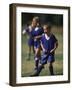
{"points": [[48, 45], [38, 31], [29, 32]]}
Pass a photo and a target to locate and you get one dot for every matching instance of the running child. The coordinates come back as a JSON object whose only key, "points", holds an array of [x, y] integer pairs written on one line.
{"points": [[28, 30], [37, 33], [49, 44]]}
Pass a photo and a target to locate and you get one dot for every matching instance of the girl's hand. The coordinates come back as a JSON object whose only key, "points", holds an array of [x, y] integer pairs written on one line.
{"points": [[52, 50], [55, 46], [45, 51]]}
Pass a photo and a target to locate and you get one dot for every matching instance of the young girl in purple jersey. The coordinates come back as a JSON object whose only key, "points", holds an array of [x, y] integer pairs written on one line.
{"points": [[28, 30], [49, 43], [37, 33]]}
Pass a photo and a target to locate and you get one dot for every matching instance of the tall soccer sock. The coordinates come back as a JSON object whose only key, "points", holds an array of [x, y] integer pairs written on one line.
{"points": [[51, 70], [38, 70], [36, 62]]}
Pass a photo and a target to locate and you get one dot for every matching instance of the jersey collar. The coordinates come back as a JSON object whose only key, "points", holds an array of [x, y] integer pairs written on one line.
{"points": [[47, 37]]}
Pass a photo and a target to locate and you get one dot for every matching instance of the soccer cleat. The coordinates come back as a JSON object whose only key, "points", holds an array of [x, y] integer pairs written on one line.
{"points": [[51, 70], [37, 72]]}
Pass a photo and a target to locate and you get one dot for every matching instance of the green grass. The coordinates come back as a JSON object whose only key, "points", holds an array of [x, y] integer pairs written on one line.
{"points": [[28, 65]]}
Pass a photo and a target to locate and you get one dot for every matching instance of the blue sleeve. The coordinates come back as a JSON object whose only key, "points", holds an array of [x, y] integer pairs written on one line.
{"points": [[32, 33], [41, 39], [27, 30], [42, 31], [54, 39]]}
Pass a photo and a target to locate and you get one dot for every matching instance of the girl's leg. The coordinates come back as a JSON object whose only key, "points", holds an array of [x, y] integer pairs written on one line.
{"points": [[33, 50], [51, 68], [37, 57], [37, 72], [29, 54]]}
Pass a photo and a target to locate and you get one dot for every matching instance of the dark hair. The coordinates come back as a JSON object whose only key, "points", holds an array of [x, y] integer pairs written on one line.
{"points": [[36, 18], [48, 25]]}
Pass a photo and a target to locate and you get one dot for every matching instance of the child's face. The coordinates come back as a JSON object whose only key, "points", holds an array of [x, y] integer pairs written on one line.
{"points": [[34, 22], [46, 30]]}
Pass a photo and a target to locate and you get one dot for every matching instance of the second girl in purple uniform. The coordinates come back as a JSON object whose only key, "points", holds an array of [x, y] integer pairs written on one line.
{"points": [[37, 33], [28, 30]]}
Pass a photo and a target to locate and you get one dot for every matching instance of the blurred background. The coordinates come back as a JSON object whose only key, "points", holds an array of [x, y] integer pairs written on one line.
{"points": [[54, 19], [57, 28]]}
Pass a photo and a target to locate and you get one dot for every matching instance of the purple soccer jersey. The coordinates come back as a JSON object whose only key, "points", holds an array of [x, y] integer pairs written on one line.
{"points": [[48, 45], [36, 32], [29, 32]]}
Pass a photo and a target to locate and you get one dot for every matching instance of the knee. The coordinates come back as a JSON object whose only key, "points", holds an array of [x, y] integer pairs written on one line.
{"points": [[50, 65], [41, 65], [37, 53]]}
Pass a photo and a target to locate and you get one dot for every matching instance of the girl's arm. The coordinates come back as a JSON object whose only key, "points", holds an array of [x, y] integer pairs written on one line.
{"points": [[27, 29], [55, 46], [24, 31], [37, 37], [42, 47]]}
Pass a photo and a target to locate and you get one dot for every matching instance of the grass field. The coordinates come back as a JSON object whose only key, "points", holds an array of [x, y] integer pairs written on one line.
{"points": [[28, 65]]}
